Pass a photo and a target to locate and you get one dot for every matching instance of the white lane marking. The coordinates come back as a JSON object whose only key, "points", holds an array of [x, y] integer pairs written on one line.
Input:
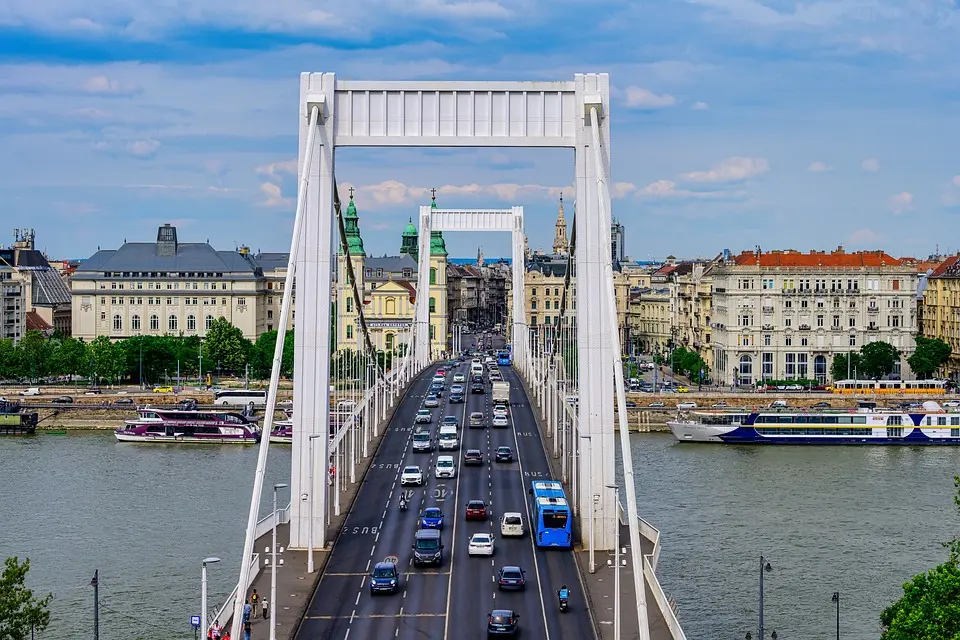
{"points": [[357, 601], [367, 570], [533, 546], [353, 614], [347, 634]]}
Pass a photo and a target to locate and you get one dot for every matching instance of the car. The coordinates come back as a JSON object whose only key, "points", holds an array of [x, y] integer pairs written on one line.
{"points": [[477, 387], [682, 389], [431, 518], [500, 422], [511, 524], [459, 377], [385, 578], [427, 547], [123, 401], [187, 404], [422, 441], [657, 405], [477, 377], [436, 389], [431, 401], [163, 389], [686, 405], [450, 421], [473, 457], [476, 510], [441, 372], [457, 388], [62, 400], [481, 544], [495, 377], [630, 404], [93, 391], [477, 419], [445, 467], [826, 405], [720, 405], [424, 416], [412, 474], [511, 577], [32, 391], [504, 454], [500, 410], [456, 398]]}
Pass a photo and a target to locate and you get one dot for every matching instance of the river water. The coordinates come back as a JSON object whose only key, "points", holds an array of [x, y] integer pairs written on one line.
{"points": [[858, 520]]}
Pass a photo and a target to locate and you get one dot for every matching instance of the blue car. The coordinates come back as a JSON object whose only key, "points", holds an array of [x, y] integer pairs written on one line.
{"points": [[431, 518], [385, 578]]}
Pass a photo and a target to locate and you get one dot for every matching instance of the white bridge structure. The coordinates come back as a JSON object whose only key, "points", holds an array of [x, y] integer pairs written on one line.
{"points": [[565, 115]]}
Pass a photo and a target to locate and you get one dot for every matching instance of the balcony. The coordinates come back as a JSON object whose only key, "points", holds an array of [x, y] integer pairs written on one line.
{"points": [[768, 327], [768, 309], [872, 327], [804, 327], [873, 309]]}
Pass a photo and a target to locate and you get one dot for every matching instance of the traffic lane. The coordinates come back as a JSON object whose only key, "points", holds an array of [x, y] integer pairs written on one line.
{"points": [[557, 567], [349, 557]]}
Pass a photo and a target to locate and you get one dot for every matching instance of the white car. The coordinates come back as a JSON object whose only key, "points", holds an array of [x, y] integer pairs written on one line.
{"points": [[481, 544], [459, 377], [500, 421], [687, 405], [411, 475], [511, 524], [499, 410], [424, 416], [952, 404], [445, 467]]}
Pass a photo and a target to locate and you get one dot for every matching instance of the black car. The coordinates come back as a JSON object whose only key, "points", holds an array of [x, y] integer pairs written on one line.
{"points": [[503, 623], [436, 388], [187, 404], [822, 405], [62, 400], [456, 398], [473, 456], [504, 454], [511, 577], [123, 401], [477, 387]]}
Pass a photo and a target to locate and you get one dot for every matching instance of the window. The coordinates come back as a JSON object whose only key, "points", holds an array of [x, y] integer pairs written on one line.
{"points": [[135, 323], [801, 365], [820, 368], [853, 341], [820, 321], [852, 322], [407, 273], [103, 300], [803, 342], [169, 301], [746, 370], [269, 314], [896, 285], [433, 305], [208, 322], [154, 323], [117, 323], [767, 362], [786, 322], [349, 331], [767, 339], [433, 332], [391, 307], [788, 341], [388, 341], [433, 275], [241, 302], [379, 272], [533, 304], [103, 315], [191, 323], [172, 323], [791, 365], [269, 327]]}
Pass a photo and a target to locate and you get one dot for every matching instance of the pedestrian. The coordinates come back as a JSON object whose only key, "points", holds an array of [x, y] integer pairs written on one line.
{"points": [[246, 630], [254, 601], [216, 630], [247, 610], [226, 635]]}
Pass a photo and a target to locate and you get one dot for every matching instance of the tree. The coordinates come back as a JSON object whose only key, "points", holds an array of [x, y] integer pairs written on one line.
{"points": [[225, 346], [9, 360], [839, 369], [103, 356], [70, 357], [261, 355], [34, 349], [930, 606], [20, 611], [929, 356], [877, 359]]}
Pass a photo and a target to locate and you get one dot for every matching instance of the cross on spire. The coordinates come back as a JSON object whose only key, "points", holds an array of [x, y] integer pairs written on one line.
{"points": [[351, 193], [433, 193], [561, 196]]}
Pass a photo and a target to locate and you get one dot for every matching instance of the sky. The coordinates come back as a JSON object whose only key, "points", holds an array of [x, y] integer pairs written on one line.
{"points": [[734, 123]]}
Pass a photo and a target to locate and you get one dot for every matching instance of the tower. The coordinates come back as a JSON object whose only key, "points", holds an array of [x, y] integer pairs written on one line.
{"points": [[408, 243], [348, 323], [560, 245], [438, 288]]}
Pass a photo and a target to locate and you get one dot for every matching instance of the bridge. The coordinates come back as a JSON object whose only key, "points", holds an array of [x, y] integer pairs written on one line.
{"points": [[551, 438]]}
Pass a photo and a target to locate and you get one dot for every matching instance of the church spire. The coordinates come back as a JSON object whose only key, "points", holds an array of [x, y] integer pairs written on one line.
{"points": [[560, 245], [437, 246], [408, 242], [351, 227]]}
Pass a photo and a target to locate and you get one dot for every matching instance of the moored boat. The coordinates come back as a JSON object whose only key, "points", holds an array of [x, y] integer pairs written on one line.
{"points": [[14, 421], [191, 426], [282, 432], [865, 425]]}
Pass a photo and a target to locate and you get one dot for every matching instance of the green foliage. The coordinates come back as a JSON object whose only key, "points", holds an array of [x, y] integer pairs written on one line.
{"points": [[877, 359], [35, 352], [104, 359], [838, 369], [261, 355], [9, 360], [225, 346], [929, 356], [689, 363], [20, 611]]}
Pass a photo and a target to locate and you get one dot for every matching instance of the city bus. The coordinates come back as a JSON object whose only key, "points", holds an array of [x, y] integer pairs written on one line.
{"points": [[503, 358], [550, 517], [241, 397]]}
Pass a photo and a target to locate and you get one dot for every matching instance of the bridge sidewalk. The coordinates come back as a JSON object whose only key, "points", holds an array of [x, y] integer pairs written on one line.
{"points": [[599, 586]]}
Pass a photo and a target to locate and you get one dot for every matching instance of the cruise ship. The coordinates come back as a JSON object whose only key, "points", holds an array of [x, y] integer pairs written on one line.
{"points": [[192, 427], [867, 424]]}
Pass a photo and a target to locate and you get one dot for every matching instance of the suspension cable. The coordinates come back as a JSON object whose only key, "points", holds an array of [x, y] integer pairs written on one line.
{"points": [[566, 282]]}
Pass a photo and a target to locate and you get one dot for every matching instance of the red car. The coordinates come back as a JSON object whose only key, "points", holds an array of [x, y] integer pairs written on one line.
{"points": [[476, 510]]}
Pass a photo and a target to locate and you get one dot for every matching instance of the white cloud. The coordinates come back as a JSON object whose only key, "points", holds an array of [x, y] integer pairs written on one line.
{"points": [[901, 202], [730, 170], [864, 237], [104, 86], [700, 106], [870, 164], [273, 196], [956, 181], [646, 99], [662, 189], [819, 167], [273, 169], [464, 10], [143, 148]]}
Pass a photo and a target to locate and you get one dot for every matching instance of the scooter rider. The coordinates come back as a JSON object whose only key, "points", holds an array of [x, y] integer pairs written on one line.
{"points": [[563, 593], [403, 500]]}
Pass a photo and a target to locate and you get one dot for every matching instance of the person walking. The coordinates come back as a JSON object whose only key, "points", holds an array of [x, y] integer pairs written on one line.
{"points": [[246, 630], [247, 610], [254, 601], [216, 630]]}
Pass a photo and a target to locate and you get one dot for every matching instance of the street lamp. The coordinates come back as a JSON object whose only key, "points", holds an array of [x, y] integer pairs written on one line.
{"points": [[273, 565], [203, 594], [309, 496], [836, 598], [764, 567], [616, 571]]}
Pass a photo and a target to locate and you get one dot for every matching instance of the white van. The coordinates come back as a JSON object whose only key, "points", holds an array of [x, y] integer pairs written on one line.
{"points": [[511, 524], [445, 467], [448, 438], [32, 391]]}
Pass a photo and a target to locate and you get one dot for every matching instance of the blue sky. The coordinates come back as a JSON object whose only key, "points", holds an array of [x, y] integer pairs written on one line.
{"points": [[734, 122]]}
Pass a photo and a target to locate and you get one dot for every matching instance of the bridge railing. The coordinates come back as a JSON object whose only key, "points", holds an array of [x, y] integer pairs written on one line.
{"points": [[652, 534]]}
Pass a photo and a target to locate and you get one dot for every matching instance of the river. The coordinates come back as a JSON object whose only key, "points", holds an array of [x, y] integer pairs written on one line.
{"points": [[858, 520]]}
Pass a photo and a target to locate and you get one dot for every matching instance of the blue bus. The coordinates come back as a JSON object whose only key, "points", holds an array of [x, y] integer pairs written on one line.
{"points": [[550, 517], [503, 357]]}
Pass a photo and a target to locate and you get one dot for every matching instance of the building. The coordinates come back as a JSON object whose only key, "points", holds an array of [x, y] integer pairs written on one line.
{"points": [[33, 294], [463, 294], [388, 287], [781, 315], [649, 319], [616, 243], [941, 310], [173, 287]]}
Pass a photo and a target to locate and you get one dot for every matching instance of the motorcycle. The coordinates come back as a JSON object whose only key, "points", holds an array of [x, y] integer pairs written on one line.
{"points": [[564, 604], [403, 504]]}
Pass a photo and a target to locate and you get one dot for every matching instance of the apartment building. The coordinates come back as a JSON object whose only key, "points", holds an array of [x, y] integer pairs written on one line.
{"points": [[785, 314], [941, 310], [33, 295]]}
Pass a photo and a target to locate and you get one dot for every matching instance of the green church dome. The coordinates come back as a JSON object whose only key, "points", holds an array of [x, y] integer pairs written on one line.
{"points": [[351, 227]]}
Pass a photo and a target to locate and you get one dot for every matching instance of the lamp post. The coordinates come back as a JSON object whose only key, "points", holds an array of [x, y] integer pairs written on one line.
{"points": [[273, 565], [593, 565], [616, 570], [203, 594], [310, 498], [764, 567], [836, 599]]}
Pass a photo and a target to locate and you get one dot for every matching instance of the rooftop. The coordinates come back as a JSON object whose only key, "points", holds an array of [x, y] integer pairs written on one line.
{"points": [[834, 259], [949, 268]]}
